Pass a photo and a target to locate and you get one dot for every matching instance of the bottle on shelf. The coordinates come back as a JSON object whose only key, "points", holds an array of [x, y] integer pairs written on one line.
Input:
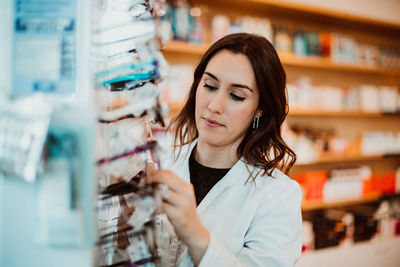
{"points": [[300, 43], [282, 39]]}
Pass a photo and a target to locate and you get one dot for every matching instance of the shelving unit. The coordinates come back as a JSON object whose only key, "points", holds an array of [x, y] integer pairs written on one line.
{"points": [[299, 11], [322, 71], [349, 125]]}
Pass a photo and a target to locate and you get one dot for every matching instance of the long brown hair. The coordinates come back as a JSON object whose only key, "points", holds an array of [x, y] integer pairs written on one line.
{"points": [[262, 147]]}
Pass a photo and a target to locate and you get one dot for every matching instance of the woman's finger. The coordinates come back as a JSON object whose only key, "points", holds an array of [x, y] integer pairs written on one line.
{"points": [[171, 211], [174, 182], [172, 198]]}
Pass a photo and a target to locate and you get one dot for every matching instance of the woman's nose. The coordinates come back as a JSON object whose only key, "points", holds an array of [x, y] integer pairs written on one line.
{"points": [[216, 104]]}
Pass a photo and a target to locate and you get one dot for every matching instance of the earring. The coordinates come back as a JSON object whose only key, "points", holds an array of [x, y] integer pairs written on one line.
{"points": [[256, 121]]}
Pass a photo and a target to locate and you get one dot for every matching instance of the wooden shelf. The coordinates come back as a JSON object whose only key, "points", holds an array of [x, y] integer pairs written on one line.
{"points": [[176, 107], [288, 59], [309, 10], [345, 158], [309, 205], [346, 114], [324, 113], [184, 47], [383, 251]]}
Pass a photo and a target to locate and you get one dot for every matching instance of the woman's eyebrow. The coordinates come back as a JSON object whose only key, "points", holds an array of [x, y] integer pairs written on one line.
{"points": [[238, 85], [211, 75], [242, 86]]}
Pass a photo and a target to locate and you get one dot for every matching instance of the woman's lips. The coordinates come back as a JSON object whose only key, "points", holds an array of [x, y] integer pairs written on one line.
{"points": [[212, 123]]}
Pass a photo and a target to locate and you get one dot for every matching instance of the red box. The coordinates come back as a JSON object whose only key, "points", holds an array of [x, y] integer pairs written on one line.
{"points": [[312, 184], [383, 183]]}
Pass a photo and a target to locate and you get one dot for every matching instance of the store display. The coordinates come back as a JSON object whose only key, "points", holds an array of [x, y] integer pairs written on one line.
{"points": [[127, 67]]}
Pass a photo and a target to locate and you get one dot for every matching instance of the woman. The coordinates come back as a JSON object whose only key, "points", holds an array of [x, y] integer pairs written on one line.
{"points": [[228, 150]]}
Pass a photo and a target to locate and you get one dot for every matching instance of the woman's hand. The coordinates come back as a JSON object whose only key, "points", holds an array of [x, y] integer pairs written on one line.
{"points": [[179, 204]]}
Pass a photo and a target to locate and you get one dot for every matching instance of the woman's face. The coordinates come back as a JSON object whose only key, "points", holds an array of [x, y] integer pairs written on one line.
{"points": [[226, 99]]}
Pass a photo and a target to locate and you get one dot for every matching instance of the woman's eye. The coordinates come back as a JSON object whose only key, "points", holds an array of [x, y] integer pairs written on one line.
{"points": [[237, 98], [210, 87]]}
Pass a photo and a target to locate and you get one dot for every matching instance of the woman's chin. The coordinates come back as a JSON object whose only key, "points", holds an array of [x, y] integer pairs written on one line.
{"points": [[212, 140]]}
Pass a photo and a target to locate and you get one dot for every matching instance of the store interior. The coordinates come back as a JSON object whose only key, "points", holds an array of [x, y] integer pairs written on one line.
{"points": [[342, 61]]}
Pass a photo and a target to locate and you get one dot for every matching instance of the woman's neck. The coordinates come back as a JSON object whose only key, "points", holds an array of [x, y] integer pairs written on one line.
{"points": [[222, 157]]}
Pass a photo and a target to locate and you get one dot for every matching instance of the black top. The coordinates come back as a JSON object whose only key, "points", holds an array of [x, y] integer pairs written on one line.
{"points": [[203, 178]]}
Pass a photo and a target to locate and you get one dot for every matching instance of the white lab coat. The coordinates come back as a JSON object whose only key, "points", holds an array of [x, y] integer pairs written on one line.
{"points": [[251, 224]]}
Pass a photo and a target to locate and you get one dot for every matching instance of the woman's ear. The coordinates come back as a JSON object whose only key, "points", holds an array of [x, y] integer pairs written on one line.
{"points": [[259, 113]]}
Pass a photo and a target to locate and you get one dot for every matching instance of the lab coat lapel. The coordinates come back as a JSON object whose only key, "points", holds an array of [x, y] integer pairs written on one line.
{"points": [[181, 167], [237, 174]]}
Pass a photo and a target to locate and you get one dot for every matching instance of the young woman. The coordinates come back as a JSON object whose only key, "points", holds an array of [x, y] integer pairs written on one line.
{"points": [[228, 202]]}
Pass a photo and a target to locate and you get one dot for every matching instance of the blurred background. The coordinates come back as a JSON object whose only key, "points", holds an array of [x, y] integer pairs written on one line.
{"points": [[342, 60]]}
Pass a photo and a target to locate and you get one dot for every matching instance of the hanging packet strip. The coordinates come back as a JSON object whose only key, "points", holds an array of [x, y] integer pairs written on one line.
{"points": [[117, 83], [126, 225], [117, 51], [111, 100], [138, 149], [145, 98], [130, 52], [114, 12], [130, 30], [134, 109], [135, 249], [114, 139], [138, 68], [140, 207], [23, 129], [139, 55]]}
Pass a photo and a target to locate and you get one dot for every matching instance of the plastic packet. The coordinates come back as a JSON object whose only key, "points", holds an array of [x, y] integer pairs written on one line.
{"points": [[23, 128]]}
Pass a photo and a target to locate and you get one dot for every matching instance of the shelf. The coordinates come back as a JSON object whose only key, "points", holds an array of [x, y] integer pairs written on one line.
{"points": [[376, 252], [345, 158], [304, 9], [175, 107], [288, 59], [324, 113], [309, 205], [184, 47], [311, 13]]}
